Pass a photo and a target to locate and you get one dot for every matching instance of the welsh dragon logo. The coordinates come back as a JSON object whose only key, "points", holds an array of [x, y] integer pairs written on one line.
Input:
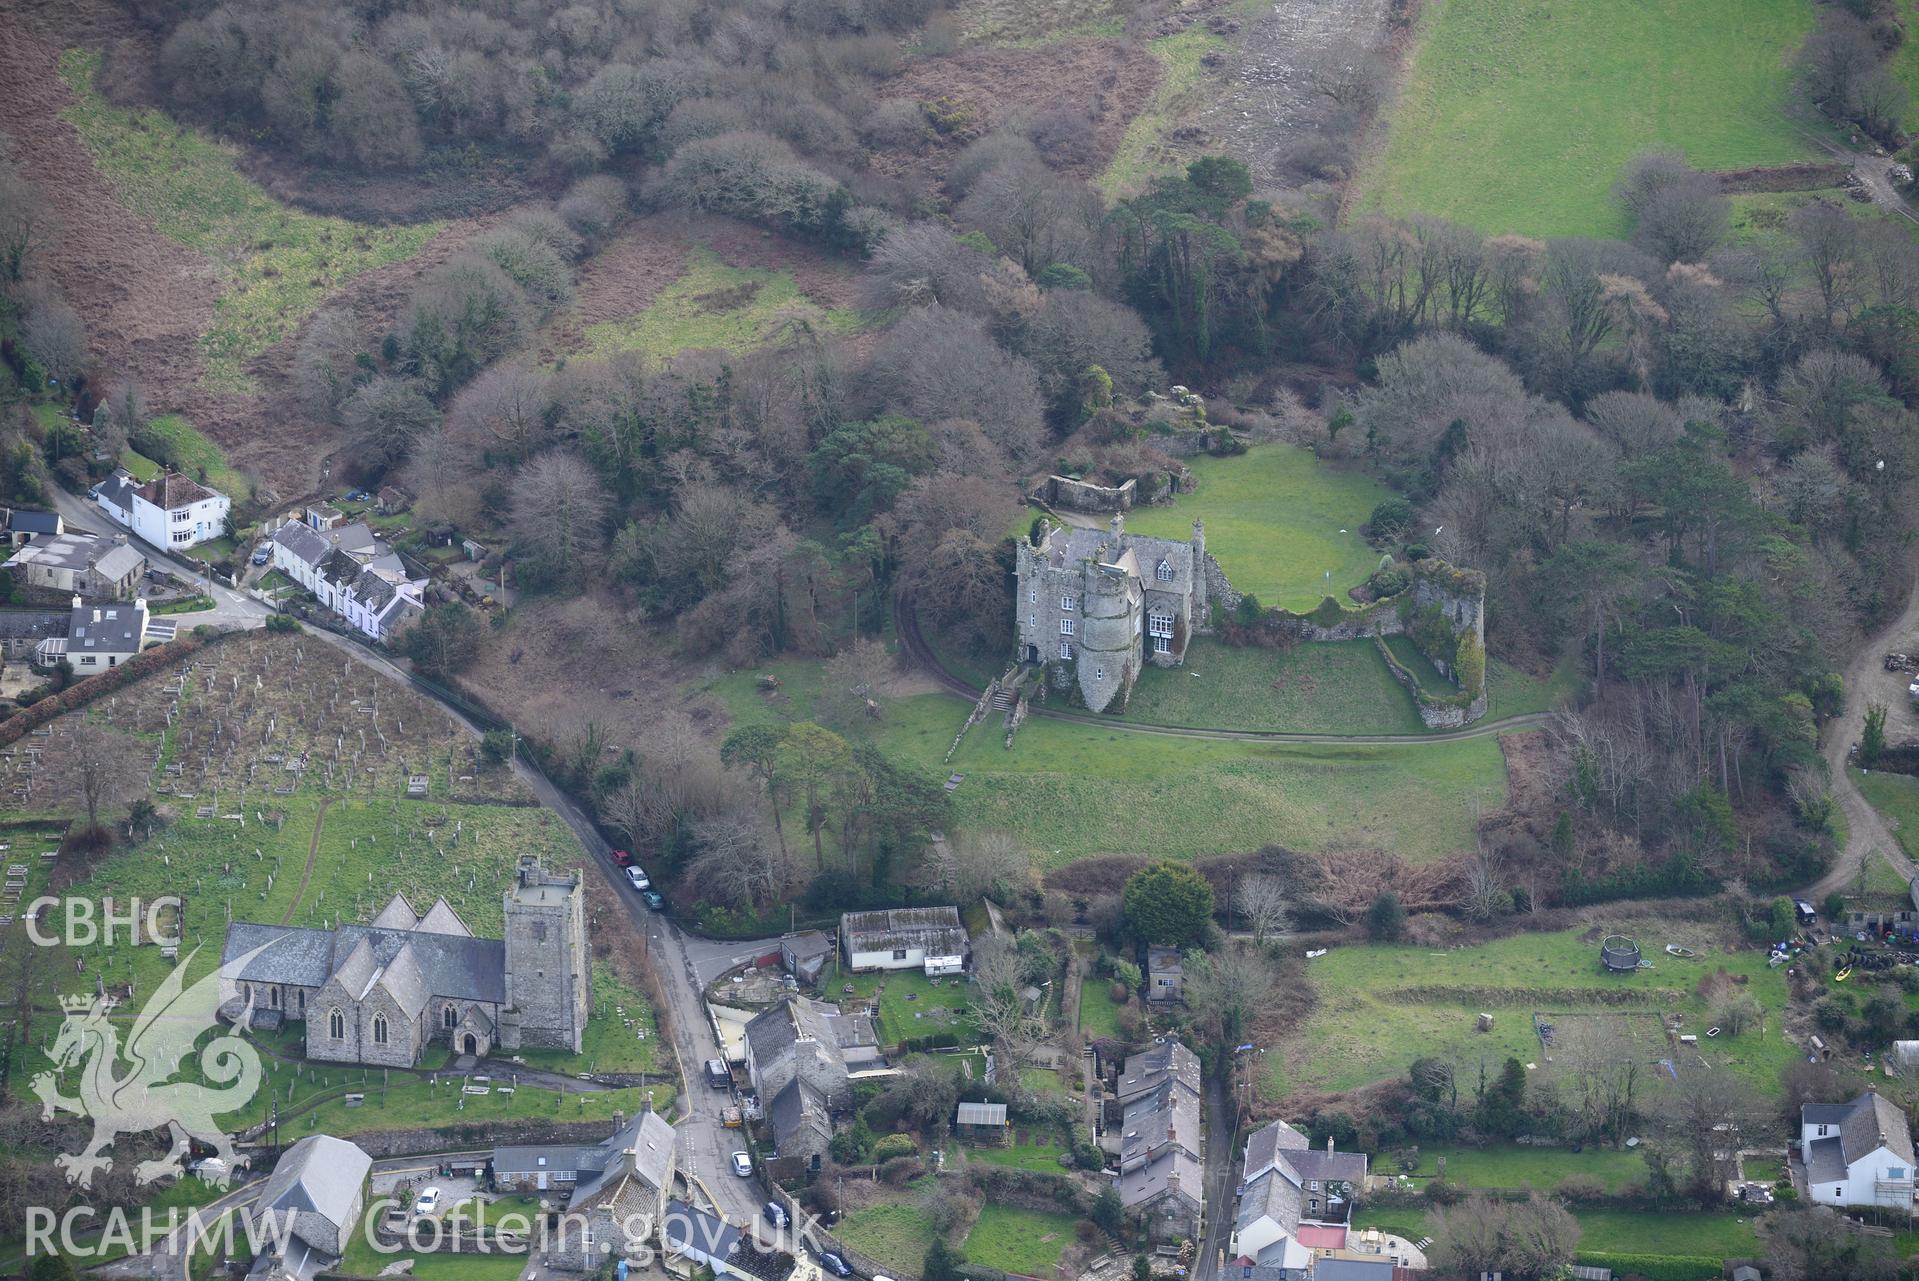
{"points": [[147, 1097]]}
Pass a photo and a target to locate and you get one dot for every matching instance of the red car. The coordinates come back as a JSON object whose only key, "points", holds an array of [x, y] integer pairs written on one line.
{"points": [[622, 858]]}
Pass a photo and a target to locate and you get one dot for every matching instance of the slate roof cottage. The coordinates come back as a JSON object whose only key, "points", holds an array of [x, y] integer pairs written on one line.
{"points": [[170, 511], [312, 1201], [1857, 1153]]}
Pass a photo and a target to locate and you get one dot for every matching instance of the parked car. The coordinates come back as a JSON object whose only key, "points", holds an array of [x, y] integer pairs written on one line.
{"points": [[654, 900], [427, 1202], [776, 1214], [716, 1073], [638, 879], [742, 1165], [834, 1264], [262, 554], [621, 858]]}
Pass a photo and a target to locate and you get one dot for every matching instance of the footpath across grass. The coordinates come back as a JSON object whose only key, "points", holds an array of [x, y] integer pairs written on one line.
{"points": [[1278, 521], [1518, 115]]}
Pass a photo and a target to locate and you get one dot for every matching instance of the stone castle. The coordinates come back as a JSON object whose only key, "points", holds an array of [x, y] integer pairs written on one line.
{"points": [[1097, 605], [379, 994]]}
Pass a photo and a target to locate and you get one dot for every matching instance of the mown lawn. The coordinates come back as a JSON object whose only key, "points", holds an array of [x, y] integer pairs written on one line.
{"points": [[278, 263], [1539, 1169], [1028, 1242], [896, 1235], [715, 304], [911, 1006], [1098, 1015], [1071, 790], [1380, 1007], [1283, 525], [1621, 1231], [1342, 687], [362, 1260], [1041, 1155], [1518, 115]]}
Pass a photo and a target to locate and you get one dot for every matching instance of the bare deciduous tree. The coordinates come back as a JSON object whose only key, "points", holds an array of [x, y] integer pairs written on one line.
{"points": [[104, 768], [1226, 987], [27, 223], [739, 863], [1264, 902], [985, 861], [559, 515]]}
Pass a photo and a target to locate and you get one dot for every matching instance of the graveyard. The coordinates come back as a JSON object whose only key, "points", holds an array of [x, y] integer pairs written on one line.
{"points": [[287, 783]]}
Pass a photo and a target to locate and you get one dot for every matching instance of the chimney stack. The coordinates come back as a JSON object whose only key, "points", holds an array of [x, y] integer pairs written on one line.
{"points": [[619, 1118], [1329, 1145]]}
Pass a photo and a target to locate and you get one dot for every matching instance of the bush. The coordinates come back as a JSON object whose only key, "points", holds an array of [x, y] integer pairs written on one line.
{"points": [[895, 1145], [282, 623], [1391, 518], [901, 1170]]}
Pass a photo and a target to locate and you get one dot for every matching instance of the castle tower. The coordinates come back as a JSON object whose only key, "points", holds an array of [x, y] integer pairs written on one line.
{"points": [[1109, 633], [548, 981], [1202, 619]]}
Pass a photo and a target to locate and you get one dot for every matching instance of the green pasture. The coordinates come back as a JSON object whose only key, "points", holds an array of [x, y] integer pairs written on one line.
{"points": [[1381, 1006], [1028, 1242], [277, 263], [1284, 526], [1518, 115], [1146, 149], [1537, 1169], [716, 304], [897, 1235], [1073, 790], [1341, 687], [1896, 796], [1677, 1232], [179, 444]]}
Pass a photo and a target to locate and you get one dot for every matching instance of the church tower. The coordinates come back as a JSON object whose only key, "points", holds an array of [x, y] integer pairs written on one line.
{"points": [[548, 981]]}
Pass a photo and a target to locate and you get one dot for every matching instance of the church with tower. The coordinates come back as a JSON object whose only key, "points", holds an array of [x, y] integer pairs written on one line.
{"points": [[379, 994]]}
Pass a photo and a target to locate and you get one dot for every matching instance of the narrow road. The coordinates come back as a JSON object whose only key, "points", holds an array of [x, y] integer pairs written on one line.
{"points": [[1867, 829], [230, 608], [1221, 1149], [913, 643]]}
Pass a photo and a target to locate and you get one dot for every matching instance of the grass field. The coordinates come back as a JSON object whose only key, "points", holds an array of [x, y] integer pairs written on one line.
{"points": [[1013, 1240], [910, 1005], [1897, 797], [178, 443], [277, 262], [896, 1235], [715, 304], [1143, 152], [1626, 1231], [1518, 115], [1041, 1155], [1098, 1016], [1539, 1169], [1277, 521], [1340, 687], [1380, 1007], [1074, 790], [362, 1260]]}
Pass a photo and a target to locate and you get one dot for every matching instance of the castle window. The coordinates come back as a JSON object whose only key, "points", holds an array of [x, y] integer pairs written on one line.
{"points": [[336, 1025], [1162, 644], [1160, 624], [1164, 573], [1099, 673], [300, 995], [1069, 603], [1066, 627], [539, 931], [1066, 649], [379, 1029]]}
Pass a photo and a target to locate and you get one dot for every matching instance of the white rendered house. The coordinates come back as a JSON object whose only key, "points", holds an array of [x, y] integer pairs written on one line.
{"points": [[1857, 1153]]}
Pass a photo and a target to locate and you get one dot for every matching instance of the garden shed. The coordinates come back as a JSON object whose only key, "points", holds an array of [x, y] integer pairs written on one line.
{"points": [[983, 1122], [1619, 954]]}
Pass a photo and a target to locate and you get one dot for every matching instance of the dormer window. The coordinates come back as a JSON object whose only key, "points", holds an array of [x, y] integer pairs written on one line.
{"points": [[1164, 572]]}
